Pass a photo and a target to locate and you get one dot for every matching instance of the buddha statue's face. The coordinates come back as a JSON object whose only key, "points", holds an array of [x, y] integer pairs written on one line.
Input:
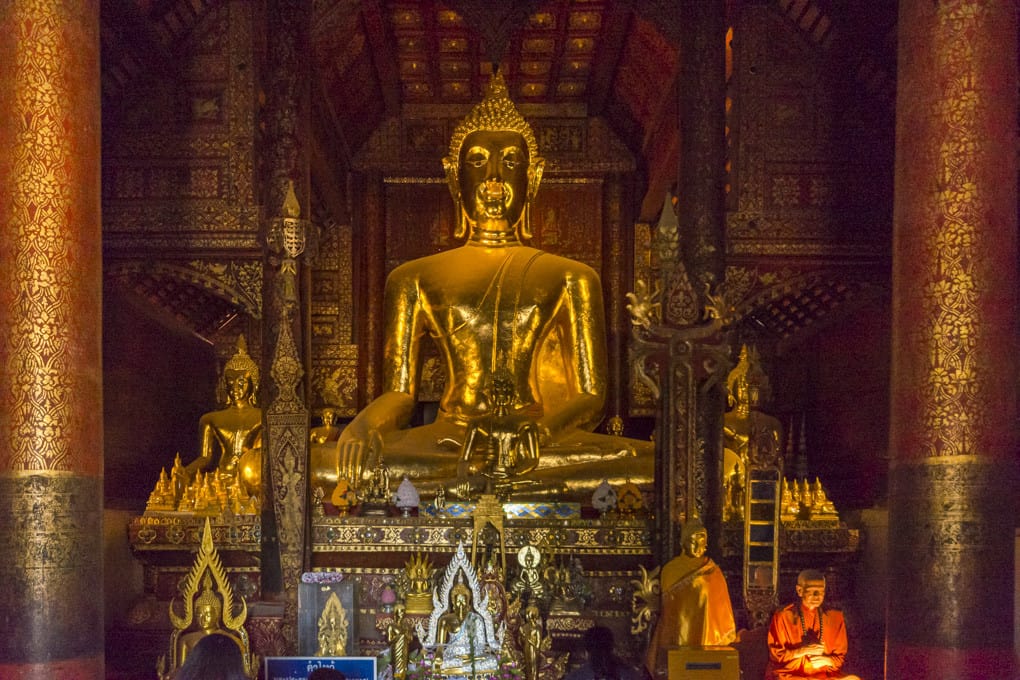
{"points": [[493, 176], [207, 616], [461, 602], [238, 384], [697, 543]]}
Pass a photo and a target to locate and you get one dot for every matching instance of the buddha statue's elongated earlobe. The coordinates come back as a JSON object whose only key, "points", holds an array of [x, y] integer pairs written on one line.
{"points": [[460, 225], [536, 168], [525, 233]]}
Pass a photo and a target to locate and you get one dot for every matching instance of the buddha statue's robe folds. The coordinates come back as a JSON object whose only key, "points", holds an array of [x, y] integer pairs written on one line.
{"points": [[521, 333]]}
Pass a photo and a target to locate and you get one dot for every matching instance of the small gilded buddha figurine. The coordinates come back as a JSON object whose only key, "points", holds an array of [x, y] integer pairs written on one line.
{"points": [[521, 332], [748, 434], [209, 619], [231, 438]]}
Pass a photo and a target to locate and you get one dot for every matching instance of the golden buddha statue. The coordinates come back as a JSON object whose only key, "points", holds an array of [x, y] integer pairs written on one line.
{"points": [[207, 607], [231, 438], [748, 434], [333, 627], [522, 335], [209, 618]]}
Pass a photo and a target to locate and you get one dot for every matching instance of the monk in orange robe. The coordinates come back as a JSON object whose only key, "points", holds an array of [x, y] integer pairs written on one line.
{"points": [[806, 641], [696, 609]]}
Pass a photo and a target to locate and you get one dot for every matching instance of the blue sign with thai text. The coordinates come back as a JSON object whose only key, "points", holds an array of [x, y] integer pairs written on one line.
{"points": [[298, 667]]}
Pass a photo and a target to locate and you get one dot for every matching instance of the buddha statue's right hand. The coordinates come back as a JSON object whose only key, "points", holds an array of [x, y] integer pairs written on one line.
{"points": [[356, 454]]}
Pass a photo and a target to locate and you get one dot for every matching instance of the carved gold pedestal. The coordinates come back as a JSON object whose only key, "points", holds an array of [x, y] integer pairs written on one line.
{"points": [[165, 544], [374, 551]]}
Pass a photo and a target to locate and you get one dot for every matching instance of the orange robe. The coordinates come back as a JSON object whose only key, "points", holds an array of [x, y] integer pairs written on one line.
{"points": [[785, 636], [696, 612]]}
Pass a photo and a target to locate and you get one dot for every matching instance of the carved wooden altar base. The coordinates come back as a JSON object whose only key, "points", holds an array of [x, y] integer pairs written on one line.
{"points": [[374, 550], [166, 542]]}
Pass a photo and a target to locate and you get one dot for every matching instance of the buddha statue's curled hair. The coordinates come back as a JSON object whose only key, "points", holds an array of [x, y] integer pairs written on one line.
{"points": [[242, 362], [496, 112]]}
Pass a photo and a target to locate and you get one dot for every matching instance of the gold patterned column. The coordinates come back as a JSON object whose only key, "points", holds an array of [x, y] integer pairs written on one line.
{"points": [[701, 183], [617, 275], [952, 475], [51, 402], [373, 282], [288, 191]]}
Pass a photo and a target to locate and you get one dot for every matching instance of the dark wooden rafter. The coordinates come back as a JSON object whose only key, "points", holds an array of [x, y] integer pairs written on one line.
{"points": [[615, 25], [328, 156], [138, 44], [381, 44], [430, 23], [562, 14]]}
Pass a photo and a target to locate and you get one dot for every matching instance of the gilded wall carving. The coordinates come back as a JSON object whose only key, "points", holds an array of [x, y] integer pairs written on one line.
{"points": [[179, 164], [414, 146], [807, 177], [334, 378]]}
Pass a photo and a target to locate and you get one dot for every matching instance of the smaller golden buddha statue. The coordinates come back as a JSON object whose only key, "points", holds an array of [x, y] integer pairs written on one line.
{"points": [[749, 436], [399, 634], [821, 506], [208, 607], [529, 578], [231, 438], [209, 617], [790, 504], [460, 629], [533, 642], [451, 620], [333, 627], [418, 589], [322, 451], [327, 432]]}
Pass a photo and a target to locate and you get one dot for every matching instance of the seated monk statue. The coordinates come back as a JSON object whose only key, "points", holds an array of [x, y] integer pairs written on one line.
{"points": [[231, 438], [747, 432], [805, 640], [521, 333], [696, 609]]}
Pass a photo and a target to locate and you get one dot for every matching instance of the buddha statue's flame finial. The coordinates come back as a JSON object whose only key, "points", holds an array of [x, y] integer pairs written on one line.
{"points": [[496, 112], [747, 372]]}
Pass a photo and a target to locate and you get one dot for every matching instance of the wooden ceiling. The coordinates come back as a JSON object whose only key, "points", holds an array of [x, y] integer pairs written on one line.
{"points": [[618, 59]]}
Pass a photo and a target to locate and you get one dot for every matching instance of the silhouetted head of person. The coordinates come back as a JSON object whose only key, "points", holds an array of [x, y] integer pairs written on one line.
{"points": [[326, 674], [215, 657], [599, 643]]}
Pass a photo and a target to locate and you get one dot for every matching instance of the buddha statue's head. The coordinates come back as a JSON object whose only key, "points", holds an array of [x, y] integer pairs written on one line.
{"points": [[694, 538], [460, 599], [493, 169], [747, 383], [208, 609], [241, 375]]}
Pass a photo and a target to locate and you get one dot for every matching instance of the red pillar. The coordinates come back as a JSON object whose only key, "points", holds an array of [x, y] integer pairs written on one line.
{"points": [[51, 407], [953, 448]]}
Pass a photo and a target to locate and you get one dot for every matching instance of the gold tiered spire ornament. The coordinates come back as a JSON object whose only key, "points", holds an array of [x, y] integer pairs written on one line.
{"points": [[206, 612]]}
